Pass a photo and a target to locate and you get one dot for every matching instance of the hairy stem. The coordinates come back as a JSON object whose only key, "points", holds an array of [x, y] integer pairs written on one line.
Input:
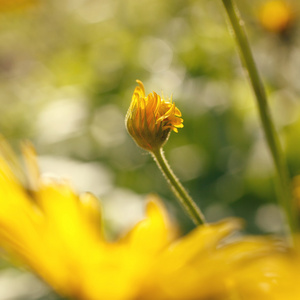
{"points": [[182, 195], [284, 193]]}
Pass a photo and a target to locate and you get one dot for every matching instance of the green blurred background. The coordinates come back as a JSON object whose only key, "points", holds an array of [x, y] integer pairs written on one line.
{"points": [[67, 74]]}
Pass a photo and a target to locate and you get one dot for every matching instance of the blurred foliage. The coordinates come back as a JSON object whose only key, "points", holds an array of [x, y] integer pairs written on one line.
{"points": [[67, 73]]}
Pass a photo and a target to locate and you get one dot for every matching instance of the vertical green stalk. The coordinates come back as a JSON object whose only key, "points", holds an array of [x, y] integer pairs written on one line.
{"points": [[285, 198], [184, 198]]}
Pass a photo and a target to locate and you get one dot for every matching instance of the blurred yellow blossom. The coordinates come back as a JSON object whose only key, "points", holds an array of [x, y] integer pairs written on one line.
{"points": [[45, 226], [276, 15], [6, 5], [151, 118], [273, 277]]}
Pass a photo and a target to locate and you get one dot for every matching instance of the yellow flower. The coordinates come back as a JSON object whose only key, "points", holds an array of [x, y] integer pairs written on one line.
{"points": [[273, 277], [9, 5], [58, 235], [150, 119], [276, 15]]}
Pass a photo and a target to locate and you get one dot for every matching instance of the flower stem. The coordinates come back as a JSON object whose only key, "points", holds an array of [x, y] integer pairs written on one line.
{"points": [[285, 198], [184, 198]]}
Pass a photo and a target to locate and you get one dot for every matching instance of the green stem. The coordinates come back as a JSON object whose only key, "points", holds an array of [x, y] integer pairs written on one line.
{"points": [[285, 198], [184, 198]]}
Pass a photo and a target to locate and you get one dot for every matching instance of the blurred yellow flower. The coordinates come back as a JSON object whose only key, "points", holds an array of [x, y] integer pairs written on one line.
{"points": [[273, 277], [58, 234], [7, 5], [276, 15], [150, 119]]}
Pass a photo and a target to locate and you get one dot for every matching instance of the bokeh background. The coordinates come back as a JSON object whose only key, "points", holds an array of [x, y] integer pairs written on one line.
{"points": [[67, 74]]}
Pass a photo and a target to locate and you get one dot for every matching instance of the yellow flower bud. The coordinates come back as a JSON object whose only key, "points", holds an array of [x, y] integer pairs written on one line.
{"points": [[150, 119]]}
